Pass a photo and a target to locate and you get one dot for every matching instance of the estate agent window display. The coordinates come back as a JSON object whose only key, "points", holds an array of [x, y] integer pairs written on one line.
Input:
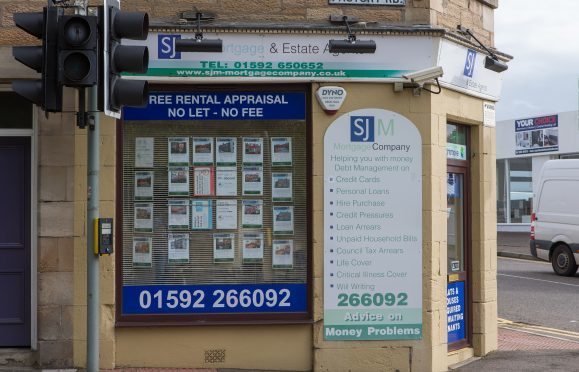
{"points": [[215, 214]]}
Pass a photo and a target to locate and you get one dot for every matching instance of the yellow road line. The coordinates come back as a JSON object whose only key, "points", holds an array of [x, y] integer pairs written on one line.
{"points": [[505, 323]]}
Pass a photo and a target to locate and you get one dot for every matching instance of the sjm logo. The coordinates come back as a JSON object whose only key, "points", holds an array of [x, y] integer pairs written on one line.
{"points": [[366, 128], [166, 46]]}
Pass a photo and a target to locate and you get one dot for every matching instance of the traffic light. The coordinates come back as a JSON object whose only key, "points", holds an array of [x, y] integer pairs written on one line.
{"points": [[45, 92], [78, 50], [118, 25]]}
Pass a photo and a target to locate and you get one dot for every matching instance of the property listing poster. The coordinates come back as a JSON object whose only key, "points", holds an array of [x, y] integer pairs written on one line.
{"points": [[226, 214], [252, 181], [178, 149], [283, 220], [178, 247], [178, 179], [226, 154], [226, 181], [372, 227], [203, 181], [252, 247], [253, 151], [223, 248], [144, 185], [281, 187], [142, 251], [144, 152], [252, 216], [539, 134], [202, 151], [201, 214], [282, 254], [178, 214], [281, 151], [143, 217]]}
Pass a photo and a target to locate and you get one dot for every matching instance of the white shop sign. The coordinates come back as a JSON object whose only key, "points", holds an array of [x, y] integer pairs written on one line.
{"points": [[288, 57], [372, 227], [464, 70]]}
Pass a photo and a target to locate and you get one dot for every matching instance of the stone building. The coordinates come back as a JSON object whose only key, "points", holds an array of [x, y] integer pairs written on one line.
{"points": [[306, 225]]}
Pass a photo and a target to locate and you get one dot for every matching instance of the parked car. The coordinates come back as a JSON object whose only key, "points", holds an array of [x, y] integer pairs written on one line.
{"points": [[555, 222]]}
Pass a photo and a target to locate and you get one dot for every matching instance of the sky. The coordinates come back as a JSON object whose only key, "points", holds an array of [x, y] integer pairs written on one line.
{"points": [[543, 38]]}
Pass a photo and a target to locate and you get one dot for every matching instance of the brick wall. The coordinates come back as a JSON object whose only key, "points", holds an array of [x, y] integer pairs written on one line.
{"points": [[474, 14]]}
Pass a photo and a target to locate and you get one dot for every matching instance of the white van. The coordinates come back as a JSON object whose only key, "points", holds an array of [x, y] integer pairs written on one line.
{"points": [[555, 221]]}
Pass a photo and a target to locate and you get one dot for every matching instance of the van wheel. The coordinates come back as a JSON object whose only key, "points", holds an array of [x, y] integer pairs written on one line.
{"points": [[563, 261]]}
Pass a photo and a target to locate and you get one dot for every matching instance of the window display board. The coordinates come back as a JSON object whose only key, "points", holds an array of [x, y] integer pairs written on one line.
{"points": [[372, 227], [215, 209]]}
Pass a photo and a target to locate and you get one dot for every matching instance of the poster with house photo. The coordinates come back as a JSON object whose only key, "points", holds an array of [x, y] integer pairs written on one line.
{"points": [[202, 151], [252, 248], [178, 180], [144, 185], [283, 220], [252, 151], [178, 214], [226, 154], [178, 247], [282, 254], [178, 149], [281, 187], [143, 217], [281, 151], [534, 135], [142, 251], [223, 248]]}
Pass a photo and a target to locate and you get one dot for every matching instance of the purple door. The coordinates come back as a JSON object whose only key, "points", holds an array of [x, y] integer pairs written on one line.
{"points": [[14, 242]]}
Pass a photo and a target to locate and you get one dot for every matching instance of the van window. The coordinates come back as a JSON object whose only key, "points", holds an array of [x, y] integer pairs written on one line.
{"points": [[551, 200]]}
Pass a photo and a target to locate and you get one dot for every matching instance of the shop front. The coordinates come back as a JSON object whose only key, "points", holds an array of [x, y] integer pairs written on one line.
{"points": [[279, 207], [276, 207]]}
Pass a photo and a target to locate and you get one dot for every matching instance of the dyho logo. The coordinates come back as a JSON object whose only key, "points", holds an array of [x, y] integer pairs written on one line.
{"points": [[362, 128], [469, 63], [166, 46]]}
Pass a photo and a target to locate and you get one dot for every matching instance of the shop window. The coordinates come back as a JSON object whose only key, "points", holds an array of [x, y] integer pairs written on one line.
{"points": [[520, 190], [502, 205], [215, 208], [16, 113]]}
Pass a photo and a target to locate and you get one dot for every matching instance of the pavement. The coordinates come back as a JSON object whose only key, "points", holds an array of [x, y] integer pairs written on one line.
{"points": [[514, 245], [526, 347]]}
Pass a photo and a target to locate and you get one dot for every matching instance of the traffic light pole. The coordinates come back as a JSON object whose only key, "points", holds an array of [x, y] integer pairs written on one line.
{"points": [[92, 259]]}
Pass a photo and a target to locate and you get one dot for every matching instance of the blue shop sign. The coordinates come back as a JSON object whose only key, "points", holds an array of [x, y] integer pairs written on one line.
{"points": [[214, 299], [455, 312], [220, 106]]}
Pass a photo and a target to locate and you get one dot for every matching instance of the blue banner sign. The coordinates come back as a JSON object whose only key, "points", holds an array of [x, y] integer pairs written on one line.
{"points": [[455, 312], [220, 106], [214, 299]]}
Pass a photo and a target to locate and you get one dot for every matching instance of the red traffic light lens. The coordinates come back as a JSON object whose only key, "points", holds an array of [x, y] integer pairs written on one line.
{"points": [[77, 31]]}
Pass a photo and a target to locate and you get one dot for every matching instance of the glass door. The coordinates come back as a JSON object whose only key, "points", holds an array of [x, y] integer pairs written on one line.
{"points": [[458, 261]]}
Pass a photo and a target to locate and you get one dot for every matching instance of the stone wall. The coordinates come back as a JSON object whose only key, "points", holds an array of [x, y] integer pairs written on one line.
{"points": [[56, 203], [474, 14]]}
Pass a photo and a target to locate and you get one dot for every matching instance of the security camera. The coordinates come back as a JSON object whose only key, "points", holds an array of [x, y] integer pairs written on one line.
{"points": [[422, 76]]}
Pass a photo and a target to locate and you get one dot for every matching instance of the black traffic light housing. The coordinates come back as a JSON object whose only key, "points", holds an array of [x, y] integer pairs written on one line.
{"points": [[118, 25], [45, 92], [78, 50]]}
